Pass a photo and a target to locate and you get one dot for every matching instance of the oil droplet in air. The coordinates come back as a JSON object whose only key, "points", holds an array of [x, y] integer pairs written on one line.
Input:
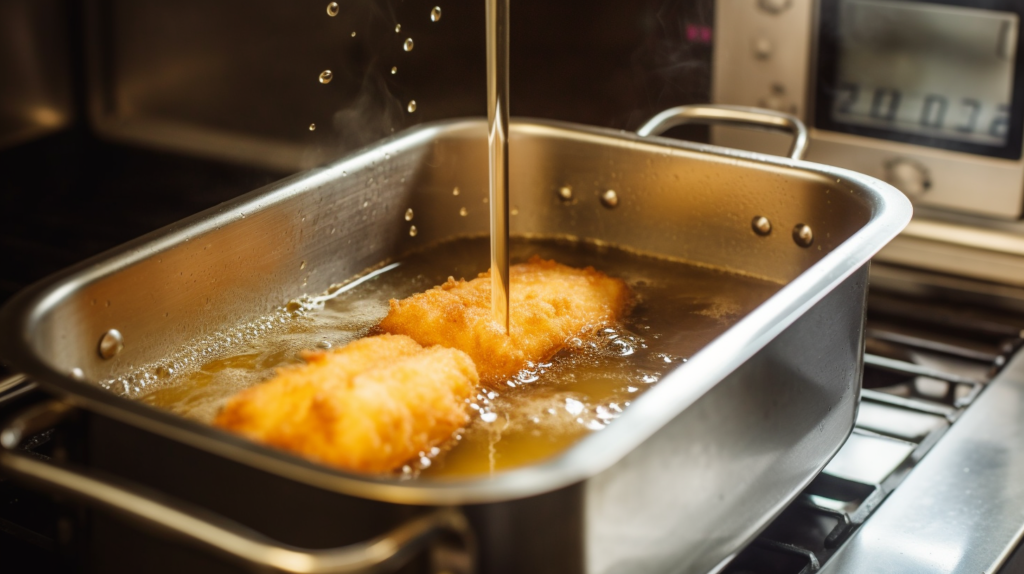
{"points": [[463, 212], [398, 28], [455, 191], [394, 70], [412, 231], [408, 45], [435, 14], [312, 127], [353, 34], [412, 106], [332, 9], [408, 214], [326, 76]]}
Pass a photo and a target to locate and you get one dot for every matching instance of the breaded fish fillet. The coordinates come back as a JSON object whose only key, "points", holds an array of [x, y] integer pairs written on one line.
{"points": [[549, 304], [370, 406]]}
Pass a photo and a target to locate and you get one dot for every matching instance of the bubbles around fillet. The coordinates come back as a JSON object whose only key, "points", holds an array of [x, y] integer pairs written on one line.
{"points": [[600, 373]]}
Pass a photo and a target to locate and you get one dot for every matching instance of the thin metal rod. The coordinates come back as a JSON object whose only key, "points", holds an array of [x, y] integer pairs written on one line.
{"points": [[497, 142], [905, 368]]}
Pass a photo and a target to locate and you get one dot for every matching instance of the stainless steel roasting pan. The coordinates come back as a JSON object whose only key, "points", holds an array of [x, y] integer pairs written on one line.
{"points": [[690, 473]]}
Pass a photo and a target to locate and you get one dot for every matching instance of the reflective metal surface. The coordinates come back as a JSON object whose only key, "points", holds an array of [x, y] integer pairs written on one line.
{"points": [[497, 157], [686, 476], [184, 75], [35, 53], [735, 116], [961, 508]]}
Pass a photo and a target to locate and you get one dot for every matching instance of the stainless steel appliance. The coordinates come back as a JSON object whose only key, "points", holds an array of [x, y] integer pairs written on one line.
{"points": [[635, 494], [926, 95]]}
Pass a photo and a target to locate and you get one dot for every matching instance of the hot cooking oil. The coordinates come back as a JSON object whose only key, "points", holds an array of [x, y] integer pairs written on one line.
{"points": [[678, 308]]}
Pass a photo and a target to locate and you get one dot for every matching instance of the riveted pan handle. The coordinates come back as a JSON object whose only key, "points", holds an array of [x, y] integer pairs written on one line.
{"points": [[736, 116], [204, 529]]}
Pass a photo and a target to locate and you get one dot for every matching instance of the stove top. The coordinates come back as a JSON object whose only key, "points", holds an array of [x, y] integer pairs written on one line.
{"points": [[928, 369], [925, 480]]}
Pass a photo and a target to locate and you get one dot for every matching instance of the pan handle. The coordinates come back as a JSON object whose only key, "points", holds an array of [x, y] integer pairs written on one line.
{"points": [[204, 529], [736, 116]]}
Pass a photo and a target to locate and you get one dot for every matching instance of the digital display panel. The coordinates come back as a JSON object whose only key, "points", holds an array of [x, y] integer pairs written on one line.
{"points": [[930, 73]]}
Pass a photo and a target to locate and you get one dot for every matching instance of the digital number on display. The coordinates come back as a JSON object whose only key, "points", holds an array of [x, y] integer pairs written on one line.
{"points": [[962, 118]]}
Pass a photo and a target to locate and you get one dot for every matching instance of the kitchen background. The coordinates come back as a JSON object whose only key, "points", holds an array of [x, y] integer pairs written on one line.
{"points": [[118, 117]]}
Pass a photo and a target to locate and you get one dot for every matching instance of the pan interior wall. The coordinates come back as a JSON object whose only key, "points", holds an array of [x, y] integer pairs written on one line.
{"points": [[247, 257]]}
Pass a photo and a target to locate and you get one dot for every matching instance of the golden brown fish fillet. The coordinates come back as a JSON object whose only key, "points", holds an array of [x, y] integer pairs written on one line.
{"points": [[370, 406], [549, 304]]}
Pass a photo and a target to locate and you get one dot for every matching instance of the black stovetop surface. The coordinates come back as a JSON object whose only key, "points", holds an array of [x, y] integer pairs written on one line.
{"points": [[69, 196]]}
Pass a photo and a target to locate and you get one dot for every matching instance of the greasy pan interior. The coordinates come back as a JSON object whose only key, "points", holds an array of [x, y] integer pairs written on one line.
{"points": [[248, 256]]}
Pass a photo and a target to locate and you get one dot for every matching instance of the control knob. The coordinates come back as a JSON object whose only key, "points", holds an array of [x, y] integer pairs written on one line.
{"points": [[907, 175], [775, 6]]}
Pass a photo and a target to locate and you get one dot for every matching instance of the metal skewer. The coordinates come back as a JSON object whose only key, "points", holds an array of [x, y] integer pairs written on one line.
{"points": [[497, 142]]}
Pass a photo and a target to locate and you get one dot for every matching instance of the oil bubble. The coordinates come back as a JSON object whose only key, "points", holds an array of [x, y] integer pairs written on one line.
{"points": [[312, 127], [412, 106], [455, 191], [408, 214], [435, 14], [398, 28], [326, 76], [463, 212], [413, 231], [332, 9], [407, 46], [353, 34], [394, 70]]}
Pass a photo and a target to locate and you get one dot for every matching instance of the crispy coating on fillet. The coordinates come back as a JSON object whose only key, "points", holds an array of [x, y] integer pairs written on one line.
{"points": [[549, 304], [370, 406]]}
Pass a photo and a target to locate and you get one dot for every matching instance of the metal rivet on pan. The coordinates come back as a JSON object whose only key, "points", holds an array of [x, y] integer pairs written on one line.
{"points": [[565, 193], [111, 344], [802, 235], [610, 199], [761, 225]]}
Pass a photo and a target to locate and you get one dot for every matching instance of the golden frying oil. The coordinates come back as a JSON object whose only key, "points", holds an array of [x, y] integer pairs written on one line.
{"points": [[536, 414]]}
